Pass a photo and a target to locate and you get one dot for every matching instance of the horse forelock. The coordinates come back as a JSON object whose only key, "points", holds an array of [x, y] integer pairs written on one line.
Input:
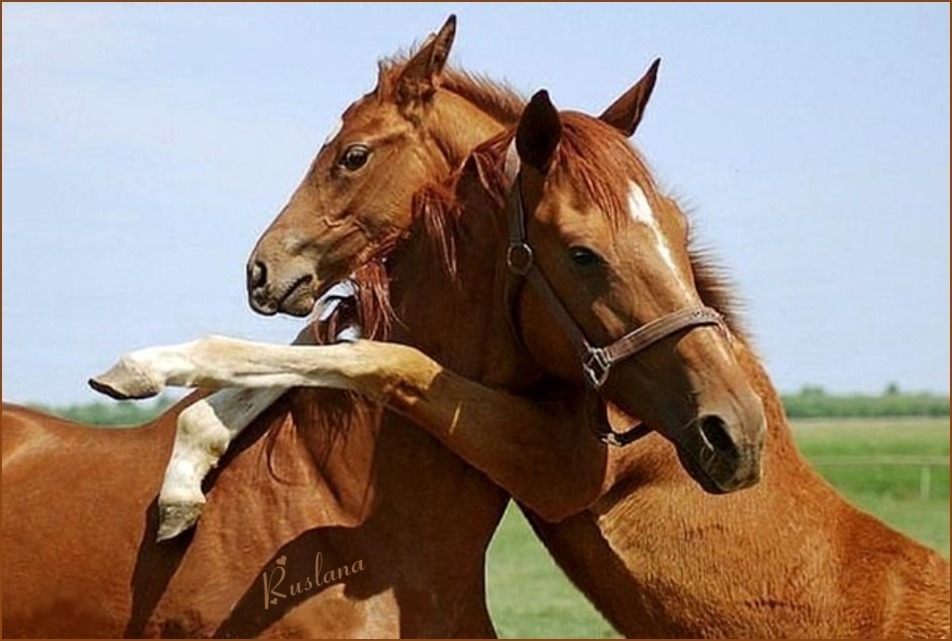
{"points": [[592, 157], [596, 160]]}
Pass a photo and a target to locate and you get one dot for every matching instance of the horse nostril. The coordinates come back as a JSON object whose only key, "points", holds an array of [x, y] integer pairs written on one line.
{"points": [[714, 430], [257, 274]]}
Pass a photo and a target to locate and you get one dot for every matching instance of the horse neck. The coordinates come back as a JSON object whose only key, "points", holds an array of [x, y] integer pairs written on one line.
{"points": [[457, 125], [656, 522], [449, 289]]}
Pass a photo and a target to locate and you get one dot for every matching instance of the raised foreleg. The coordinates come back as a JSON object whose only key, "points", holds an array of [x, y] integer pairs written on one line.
{"points": [[543, 453], [204, 430]]}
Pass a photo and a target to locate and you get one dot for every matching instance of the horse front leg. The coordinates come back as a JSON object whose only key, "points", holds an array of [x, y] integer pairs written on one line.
{"points": [[205, 429], [203, 432], [375, 370], [543, 453]]}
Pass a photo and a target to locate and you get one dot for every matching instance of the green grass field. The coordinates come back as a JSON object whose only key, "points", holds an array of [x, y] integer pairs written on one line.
{"points": [[529, 597]]}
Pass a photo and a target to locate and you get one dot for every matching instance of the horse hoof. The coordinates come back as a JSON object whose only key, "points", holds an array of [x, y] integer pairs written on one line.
{"points": [[126, 380], [175, 518]]}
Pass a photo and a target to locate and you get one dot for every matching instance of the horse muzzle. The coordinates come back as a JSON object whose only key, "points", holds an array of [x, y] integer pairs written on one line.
{"points": [[292, 292], [721, 451]]}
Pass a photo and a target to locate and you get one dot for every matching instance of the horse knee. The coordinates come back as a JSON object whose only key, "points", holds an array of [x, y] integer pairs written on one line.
{"points": [[199, 426]]}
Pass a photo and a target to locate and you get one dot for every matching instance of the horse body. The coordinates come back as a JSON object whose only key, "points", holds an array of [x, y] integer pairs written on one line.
{"points": [[788, 558], [379, 493], [43, 581], [284, 492]]}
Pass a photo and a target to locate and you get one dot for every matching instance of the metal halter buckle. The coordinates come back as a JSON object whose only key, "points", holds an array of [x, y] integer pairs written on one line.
{"points": [[519, 258], [596, 366]]}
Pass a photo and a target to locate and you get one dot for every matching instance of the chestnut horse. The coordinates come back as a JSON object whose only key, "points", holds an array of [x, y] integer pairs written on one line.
{"points": [[659, 558], [325, 509], [79, 503]]}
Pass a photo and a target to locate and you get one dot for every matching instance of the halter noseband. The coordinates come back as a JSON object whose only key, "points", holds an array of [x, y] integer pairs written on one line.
{"points": [[596, 361]]}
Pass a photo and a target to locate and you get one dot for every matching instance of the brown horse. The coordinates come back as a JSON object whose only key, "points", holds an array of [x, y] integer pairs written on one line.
{"points": [[318, 531], [79, 504], [787, 558]]}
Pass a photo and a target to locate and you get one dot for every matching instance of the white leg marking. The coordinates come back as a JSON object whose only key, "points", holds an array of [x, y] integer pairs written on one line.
{"points": [[219, 361], [203, 433]]}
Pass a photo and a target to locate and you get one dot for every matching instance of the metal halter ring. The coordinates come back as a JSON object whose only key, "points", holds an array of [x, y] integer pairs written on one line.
{"points": [[519, 258]]}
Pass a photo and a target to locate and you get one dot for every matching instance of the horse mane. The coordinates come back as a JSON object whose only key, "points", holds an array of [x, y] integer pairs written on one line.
{"points": [[598, 160], [716, 288], [498, 99], [330, 414]]}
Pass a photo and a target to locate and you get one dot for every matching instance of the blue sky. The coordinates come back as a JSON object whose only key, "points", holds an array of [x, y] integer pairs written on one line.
{"points": [[146, 147]]}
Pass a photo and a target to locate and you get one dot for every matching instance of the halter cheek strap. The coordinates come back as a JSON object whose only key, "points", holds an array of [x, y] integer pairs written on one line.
{"points": [[596, 362]]}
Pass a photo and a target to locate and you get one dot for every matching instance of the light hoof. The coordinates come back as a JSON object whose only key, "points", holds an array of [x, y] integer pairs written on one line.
{"points": [[177, 517], [127, 380]]}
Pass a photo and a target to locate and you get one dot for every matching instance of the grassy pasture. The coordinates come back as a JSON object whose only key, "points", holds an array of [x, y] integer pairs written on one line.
{"points": [[529, 597]]}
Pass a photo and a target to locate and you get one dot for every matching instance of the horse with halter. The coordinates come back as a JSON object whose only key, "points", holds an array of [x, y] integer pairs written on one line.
{"points": [[788, 557], [316, 520]]}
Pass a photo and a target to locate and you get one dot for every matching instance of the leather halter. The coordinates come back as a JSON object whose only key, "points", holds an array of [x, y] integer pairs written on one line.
{"points": [[596, 361]]}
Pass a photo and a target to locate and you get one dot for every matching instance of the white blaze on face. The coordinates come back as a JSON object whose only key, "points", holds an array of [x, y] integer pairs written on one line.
{"points": [[641, 212]]}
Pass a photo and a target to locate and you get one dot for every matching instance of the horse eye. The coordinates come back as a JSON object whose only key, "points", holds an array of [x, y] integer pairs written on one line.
{"points": [[584, 257], [354, 157]]}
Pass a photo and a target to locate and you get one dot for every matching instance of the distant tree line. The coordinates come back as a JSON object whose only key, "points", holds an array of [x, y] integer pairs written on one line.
{"points": [[122, 413], [809, 402], [814, 402]]}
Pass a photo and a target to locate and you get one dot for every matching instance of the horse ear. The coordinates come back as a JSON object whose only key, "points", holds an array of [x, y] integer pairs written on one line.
{"points": [[539, 132], [418, 79], [625, 113]]}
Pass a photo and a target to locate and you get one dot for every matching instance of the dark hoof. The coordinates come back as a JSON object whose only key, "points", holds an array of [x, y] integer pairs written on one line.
{"points": [[177, 517]]}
